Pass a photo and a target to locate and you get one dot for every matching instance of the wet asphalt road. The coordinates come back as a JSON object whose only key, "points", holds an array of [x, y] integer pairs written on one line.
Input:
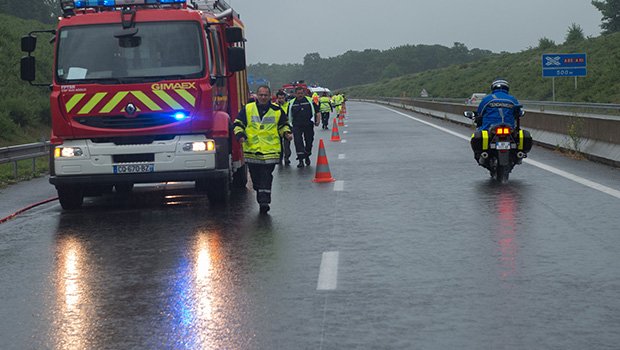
{"points": [[413, 248]]}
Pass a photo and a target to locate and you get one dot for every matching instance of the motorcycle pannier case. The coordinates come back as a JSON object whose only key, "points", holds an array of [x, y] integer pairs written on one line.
{"points": [[480, 141], [525, 141]]}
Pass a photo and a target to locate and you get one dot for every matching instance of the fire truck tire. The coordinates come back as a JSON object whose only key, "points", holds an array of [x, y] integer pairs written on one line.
{"points": [[240, 177], [217, 190], [123, 188], [70, 197]]}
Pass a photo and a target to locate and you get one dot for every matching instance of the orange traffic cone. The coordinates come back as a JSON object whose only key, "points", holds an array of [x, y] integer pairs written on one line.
{"points": [[322, 167], [340, 119], [335, 133], [344, 109]]}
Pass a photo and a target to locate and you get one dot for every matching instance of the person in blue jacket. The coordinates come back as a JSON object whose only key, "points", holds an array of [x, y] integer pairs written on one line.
{"points": [[498, 107]]}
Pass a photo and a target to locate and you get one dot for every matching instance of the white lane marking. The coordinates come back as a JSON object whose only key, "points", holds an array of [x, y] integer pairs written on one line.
{"points": [[594, 185], [429, 124], [580, 180], [343, 141], [342, 156], [345, 132], [339, 186], [328, 272]]}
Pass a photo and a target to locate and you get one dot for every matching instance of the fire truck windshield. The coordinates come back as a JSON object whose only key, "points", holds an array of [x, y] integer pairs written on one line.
{"points": [[161, 50]]}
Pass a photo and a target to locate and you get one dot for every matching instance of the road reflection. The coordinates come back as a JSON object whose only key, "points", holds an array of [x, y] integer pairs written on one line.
{"points": [[505, 203], [72, 326], [159, 276], [199, 296], [506, 233]]}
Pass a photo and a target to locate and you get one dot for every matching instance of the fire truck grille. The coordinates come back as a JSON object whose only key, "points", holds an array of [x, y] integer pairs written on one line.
{"points": [[141, 121]]}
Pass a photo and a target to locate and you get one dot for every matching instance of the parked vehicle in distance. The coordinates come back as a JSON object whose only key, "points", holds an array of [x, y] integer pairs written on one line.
{"points": [[475, 98]]}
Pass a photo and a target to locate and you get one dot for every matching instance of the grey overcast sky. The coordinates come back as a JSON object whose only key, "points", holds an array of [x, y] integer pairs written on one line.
{"points": [[285, 31]]}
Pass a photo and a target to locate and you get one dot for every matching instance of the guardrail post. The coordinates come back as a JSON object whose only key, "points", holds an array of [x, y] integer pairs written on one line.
{"points": [[34, 166], [15, 169]]}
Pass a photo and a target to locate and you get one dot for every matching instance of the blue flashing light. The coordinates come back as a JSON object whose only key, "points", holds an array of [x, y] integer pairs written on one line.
{"points": [[88, 3], [113, 3], [180, 116]]}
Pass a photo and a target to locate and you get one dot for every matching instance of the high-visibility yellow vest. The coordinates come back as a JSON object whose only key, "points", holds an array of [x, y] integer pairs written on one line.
{"points": [[263, 136], [325, 104]]}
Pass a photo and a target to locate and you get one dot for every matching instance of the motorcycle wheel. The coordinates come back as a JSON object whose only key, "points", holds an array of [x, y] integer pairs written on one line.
{"points": [[501, 174]]}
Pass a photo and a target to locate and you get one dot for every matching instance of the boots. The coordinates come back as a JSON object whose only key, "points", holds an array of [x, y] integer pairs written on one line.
{"points": [[263, 199]]}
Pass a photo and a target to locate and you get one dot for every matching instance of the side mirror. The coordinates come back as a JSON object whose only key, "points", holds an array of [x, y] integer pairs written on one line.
{"points": [[236, 59], [234, 35], [29, 43], [470, 114], [27, 68]]}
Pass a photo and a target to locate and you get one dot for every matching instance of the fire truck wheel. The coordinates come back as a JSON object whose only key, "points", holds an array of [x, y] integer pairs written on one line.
{"points": [[240, 177], [70, 197], [123, 188], [217, 190]]}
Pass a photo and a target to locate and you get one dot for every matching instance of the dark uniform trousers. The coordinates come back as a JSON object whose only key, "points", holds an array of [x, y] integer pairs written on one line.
{"points": [[262, 177], [285, 151], [325, 119], [303, 137]]}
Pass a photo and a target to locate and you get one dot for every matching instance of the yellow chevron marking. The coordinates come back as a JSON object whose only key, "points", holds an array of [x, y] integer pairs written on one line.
{"points": [[114, 102], [75, 99], [187, 97], [146, 100], [166, 98], [92, 103]]}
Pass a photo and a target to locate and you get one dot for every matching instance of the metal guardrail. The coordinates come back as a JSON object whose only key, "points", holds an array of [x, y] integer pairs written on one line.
{"points": [[576, 108], [22, 152]]}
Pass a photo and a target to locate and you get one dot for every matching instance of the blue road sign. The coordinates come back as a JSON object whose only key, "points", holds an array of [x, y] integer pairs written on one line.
{"points": [[564, 65], [565, 72]]}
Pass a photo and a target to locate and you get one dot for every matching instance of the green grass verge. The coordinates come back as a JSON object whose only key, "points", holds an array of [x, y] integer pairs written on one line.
{"points": [[24, 171]]}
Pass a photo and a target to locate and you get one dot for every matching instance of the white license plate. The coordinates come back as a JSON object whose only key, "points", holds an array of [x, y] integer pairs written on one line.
{"points": [[502, 145], [134, 168]]}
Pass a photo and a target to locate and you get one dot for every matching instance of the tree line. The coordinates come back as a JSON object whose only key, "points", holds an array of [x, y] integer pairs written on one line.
{"points": [[362, 67], [45, 11]]}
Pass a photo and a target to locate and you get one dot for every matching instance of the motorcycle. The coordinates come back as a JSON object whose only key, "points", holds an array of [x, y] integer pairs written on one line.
{"points": [[501, 147]]}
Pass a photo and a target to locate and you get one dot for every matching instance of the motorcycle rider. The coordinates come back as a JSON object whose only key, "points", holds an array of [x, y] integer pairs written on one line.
{"points": [[499, 107]]}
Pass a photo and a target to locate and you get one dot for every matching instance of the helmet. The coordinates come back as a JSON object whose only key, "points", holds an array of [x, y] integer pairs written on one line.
{"points": [[500, 84]]}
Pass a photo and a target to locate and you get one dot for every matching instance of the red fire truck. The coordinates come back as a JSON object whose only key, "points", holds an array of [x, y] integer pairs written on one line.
{"points": [[144, 91]]}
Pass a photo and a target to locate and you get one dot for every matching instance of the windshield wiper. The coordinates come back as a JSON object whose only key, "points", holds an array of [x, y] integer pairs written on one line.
{"points": [[94, 81], [152, 79]]}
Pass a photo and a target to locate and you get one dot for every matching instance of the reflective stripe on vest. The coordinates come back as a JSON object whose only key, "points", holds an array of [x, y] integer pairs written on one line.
{"points": [[263, 143], [290, 108]]}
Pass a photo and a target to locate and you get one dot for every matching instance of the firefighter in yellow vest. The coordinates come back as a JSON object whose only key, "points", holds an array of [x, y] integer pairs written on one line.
{"points": [[325, 107], [259, 127], [337, 100]]}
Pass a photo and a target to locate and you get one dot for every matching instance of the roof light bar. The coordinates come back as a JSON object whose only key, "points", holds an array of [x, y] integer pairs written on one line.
{"points": [[115, 3]]}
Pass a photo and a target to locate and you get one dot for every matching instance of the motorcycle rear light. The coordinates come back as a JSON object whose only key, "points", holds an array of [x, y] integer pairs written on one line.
{"points": [[502, 131]]}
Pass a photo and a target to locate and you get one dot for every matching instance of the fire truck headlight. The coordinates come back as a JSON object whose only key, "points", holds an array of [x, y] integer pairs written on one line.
{"points": [[199, 146], [67, 152]]}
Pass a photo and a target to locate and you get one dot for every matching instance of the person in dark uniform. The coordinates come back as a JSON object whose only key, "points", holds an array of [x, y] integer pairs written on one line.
{"points": [[259, 127], [286, 143], [304, 115]]}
